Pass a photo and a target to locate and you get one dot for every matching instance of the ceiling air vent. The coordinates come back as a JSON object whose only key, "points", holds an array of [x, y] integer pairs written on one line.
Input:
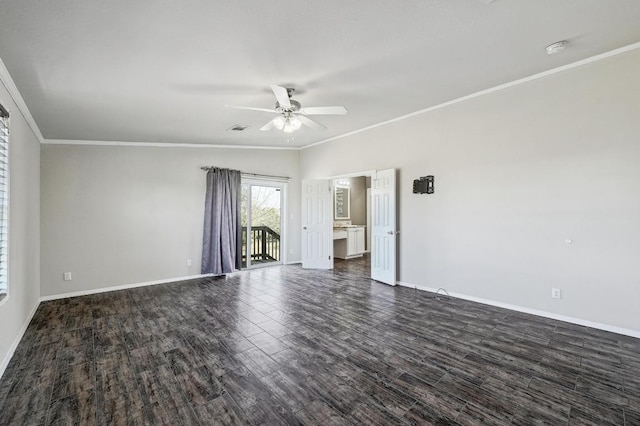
{"points": [[238, 127]]}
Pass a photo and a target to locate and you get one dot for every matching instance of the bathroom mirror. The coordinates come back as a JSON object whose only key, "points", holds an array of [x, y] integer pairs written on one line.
{"points": [[341, 203]]}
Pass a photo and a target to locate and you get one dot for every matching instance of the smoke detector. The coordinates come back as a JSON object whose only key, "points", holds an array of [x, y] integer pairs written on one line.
{"points": [[557, 47]]}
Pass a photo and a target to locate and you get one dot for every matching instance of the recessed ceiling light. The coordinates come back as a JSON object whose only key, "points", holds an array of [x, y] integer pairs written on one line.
{"points": [[557, 47]]}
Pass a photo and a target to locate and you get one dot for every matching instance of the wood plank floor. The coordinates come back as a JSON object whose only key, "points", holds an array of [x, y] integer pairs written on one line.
{"points": [[280, 345]]}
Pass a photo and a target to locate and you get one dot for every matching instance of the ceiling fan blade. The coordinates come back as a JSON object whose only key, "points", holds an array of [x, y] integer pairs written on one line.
{"points": [[310, 123], [282, 96], [326, 110], [250, 108], [267, 126]]}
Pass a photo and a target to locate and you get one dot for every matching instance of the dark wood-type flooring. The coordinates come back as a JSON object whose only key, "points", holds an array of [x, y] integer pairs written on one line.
{"points": [[281, 345]]}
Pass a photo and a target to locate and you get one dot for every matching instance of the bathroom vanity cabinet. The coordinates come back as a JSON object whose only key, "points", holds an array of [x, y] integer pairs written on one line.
{"points": [[348, 242]]}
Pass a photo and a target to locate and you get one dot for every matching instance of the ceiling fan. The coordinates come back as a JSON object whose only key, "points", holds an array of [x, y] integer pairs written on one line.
{"points": [[291, 115]]}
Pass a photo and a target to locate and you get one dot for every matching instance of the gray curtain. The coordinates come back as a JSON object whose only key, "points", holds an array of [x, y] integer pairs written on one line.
{"points": [[222, 239]]}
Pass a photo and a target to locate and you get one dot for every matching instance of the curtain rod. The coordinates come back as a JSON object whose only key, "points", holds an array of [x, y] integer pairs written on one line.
{"points": [[207, 168]]}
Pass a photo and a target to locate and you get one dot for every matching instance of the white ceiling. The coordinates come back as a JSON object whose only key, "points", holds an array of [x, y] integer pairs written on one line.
{"points": [[162, 71]]}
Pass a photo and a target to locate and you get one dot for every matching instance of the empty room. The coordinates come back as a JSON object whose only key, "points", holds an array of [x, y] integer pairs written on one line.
{"points": [[339, 212]]}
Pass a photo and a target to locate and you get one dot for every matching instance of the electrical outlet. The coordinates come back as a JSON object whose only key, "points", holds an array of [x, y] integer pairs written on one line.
{"points": [[555, 293], [66, 276], [188, 262]]}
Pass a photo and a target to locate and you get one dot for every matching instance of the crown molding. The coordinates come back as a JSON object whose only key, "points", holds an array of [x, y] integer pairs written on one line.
{"points": [[11, 87], [518, 82], [160, 144], [9, 84]]}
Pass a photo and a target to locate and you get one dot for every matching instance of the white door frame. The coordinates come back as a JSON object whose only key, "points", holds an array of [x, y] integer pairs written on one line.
{"points": [[367, 239], [272, 183], [366, 173]]}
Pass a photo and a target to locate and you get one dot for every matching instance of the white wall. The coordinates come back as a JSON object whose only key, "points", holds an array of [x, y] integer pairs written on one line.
{"points": [[24, 229], [517, 172], [117, 215]]}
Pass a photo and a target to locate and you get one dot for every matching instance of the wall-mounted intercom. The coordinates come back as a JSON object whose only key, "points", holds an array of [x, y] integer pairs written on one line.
{"points": [[424, 185]]}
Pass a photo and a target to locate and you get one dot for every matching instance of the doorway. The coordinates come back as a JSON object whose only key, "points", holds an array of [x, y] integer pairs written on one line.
{"points": [[319, 229], [262, 216]]}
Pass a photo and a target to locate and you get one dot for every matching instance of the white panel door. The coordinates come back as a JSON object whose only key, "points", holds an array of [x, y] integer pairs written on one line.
{"points": [[383, 226], [317, 225]]}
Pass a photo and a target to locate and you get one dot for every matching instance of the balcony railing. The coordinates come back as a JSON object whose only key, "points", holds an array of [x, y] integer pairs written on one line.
{"points": [[265, 245]]}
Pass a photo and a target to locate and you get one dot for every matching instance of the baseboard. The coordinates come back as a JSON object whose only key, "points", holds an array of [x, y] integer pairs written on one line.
{"points": [[550, 315], [121, 287], [293, 262], [16, 341], [129, 286]]}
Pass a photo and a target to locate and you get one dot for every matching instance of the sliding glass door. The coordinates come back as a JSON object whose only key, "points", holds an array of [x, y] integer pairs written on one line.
{"points": [[262, 236]]}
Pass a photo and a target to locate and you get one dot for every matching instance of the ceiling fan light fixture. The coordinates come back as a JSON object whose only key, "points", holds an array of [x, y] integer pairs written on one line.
{"points": [[288, 127], [279, 123], [295, 123], [291, 123], [291, 116]]}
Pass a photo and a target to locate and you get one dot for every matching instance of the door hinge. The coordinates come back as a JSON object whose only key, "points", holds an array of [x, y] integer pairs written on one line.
{"points": [[329, 257]]}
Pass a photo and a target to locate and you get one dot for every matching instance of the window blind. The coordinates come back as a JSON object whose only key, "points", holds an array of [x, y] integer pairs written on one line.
{"points": [[4, 174]]}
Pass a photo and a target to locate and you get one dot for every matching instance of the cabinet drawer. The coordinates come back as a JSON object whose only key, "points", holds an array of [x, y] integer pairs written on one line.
{"points": [[338, 235]]}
